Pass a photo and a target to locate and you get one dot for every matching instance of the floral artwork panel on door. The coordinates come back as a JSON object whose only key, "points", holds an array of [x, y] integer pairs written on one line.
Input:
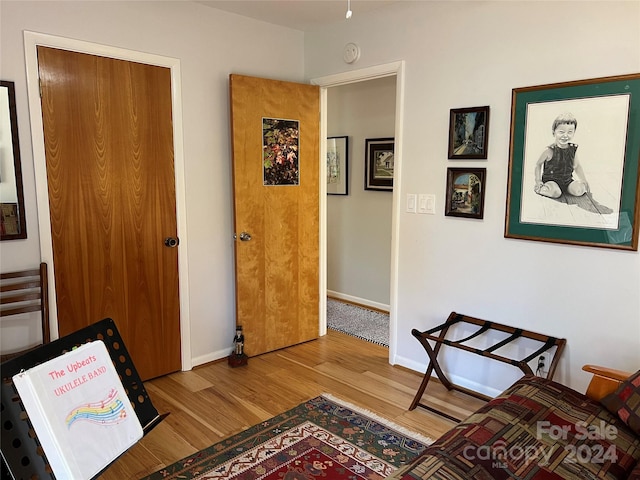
{"points": [[280, 147]]}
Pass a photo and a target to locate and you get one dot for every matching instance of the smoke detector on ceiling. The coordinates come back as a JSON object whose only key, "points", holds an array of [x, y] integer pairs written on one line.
{"points": [[351, 53]]}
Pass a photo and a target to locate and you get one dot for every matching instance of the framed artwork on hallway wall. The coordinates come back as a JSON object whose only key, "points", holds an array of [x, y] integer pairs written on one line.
{"points": [[574, 162], [468, 133], [338, 166], [379, 164]]}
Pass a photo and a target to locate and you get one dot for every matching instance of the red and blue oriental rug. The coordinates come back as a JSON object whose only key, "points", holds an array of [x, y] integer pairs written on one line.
{"points": [[323, 438]]}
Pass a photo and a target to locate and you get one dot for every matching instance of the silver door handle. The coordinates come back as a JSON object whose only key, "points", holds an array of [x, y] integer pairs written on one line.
{"points": [[245, 237]]}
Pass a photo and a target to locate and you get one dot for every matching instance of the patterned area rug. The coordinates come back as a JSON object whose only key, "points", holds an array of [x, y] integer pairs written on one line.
{"points": [[359, 322], [323, 438]]}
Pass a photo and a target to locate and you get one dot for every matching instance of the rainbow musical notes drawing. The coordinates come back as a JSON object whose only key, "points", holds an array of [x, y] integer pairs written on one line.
{"points": [[109, 411]]}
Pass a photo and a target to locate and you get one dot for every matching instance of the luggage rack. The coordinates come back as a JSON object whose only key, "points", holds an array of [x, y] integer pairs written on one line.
{"points": [[546, 343]]}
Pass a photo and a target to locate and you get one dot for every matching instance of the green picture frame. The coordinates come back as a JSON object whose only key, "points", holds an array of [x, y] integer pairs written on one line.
{"points": [[606, 162]]}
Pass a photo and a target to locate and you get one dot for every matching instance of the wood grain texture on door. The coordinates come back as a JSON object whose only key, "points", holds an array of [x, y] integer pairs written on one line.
{"points": [[277, 279], [109, 155]]}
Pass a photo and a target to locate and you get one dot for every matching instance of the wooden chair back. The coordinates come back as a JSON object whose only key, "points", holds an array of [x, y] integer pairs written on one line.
{"points": [[24, 292]]}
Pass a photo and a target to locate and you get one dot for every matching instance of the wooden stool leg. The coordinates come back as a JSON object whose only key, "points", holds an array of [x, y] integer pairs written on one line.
{"points": [[433, 364], [421, 389]]}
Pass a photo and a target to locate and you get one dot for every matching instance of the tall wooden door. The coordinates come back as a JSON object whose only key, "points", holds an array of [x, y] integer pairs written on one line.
{"points": [[276, 141], [109, 155]]}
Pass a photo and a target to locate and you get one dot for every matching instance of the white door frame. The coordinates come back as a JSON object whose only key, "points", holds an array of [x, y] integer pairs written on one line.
{"points": [[390, 69], [31, 41]]}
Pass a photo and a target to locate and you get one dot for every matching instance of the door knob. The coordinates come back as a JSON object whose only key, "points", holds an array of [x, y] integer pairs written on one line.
{"points": [[245, 237], [171, 242]]}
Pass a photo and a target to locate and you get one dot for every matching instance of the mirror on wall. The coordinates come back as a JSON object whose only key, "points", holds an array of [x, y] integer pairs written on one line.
{"points": [[11, 199]]}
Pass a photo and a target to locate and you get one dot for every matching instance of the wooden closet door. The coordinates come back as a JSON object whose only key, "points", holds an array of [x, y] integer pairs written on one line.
{"points": [[109, 152]]}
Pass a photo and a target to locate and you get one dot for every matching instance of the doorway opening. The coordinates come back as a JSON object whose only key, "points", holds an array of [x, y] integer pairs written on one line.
{"points": [[396, 70]]}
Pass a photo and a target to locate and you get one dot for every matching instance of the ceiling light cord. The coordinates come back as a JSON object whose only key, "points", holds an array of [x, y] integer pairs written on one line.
{"points": [[349, 12]]}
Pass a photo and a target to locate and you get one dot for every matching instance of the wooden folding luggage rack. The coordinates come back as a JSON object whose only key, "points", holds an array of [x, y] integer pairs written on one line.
{"points": [[546, 343]]}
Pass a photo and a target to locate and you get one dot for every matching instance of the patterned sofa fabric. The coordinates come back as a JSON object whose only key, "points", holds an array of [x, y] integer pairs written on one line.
{"points": [[536, 429]]}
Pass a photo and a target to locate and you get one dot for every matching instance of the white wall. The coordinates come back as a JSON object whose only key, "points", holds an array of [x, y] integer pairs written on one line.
{"points": [[465, 54], [210, 45], [359, 224]]}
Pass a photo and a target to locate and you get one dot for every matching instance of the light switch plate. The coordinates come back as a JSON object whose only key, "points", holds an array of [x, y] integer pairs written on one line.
{"points": [[411, 203], [427, 203]]}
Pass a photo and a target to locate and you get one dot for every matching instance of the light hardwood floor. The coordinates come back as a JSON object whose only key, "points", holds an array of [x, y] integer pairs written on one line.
{"points": [[214, 401]]}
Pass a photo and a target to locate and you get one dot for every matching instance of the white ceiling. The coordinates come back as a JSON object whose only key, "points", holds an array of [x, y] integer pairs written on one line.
{"points": [[298, 14]]}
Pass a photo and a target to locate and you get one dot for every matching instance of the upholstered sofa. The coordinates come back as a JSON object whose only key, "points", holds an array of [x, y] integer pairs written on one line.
{"points": [[539, 429]]}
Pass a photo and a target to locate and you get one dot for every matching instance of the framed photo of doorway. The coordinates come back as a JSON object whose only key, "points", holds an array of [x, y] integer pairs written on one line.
{"points": [[465, 192]]}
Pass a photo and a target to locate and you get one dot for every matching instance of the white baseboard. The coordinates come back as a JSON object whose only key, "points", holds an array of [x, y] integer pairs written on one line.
{"points": [[456, 379], [211, 357], [358, 300], [408, 363]]}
